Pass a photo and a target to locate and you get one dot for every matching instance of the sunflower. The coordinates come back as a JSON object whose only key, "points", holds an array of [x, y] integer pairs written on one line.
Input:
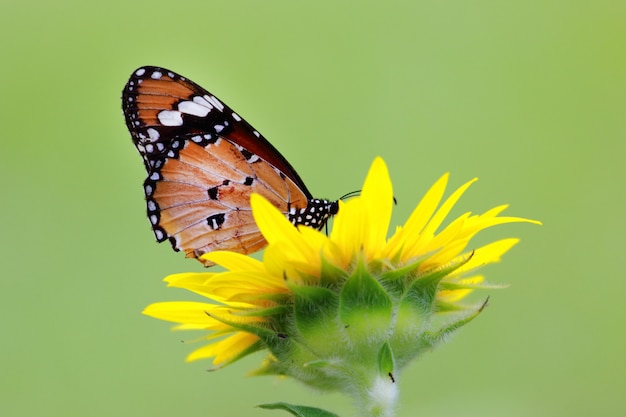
{"points": [[346, 310]]}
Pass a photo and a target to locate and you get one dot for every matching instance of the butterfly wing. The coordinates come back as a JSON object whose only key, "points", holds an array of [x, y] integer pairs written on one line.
{"points": [[203, 161]]}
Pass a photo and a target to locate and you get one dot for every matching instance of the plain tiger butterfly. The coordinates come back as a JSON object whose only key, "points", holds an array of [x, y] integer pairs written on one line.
{"points": [[203, 161]]}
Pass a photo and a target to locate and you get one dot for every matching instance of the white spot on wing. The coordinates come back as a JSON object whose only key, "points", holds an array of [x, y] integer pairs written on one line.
{"points": [[214, 101], [153, 133], [140, 72], [202, 101], [236, 117], [193, 108], [156, 75], [170, 118]]}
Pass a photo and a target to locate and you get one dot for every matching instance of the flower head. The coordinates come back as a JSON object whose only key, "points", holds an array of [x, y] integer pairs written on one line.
{"points": [[347, 310]]}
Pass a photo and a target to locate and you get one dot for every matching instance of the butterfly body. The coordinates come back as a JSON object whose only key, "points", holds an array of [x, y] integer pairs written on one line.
{"points": [[203, 162]]}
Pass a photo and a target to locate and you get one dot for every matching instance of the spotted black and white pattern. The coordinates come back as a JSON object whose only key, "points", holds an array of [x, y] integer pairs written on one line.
{"points": [[315, 214]]}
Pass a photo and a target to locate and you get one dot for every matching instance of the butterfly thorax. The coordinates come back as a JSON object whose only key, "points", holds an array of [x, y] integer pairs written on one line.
{"points": [[315, 214]]}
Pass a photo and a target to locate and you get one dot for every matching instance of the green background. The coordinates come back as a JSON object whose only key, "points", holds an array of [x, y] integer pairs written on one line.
{"points": [[529, 96]]}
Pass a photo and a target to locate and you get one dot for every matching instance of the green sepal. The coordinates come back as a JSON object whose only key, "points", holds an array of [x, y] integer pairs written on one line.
{"points": [[365, 308], [279, 298], [319, 364], [386, 362], [320, 374], [261, 331], [400, 273], [265, 312], [442, 334], [315, 316], [420, 295], [415, 314], [443, 307], [446, 285], [298, 410], [270, 366], [312, 305], [422, 292], [331, 276]]}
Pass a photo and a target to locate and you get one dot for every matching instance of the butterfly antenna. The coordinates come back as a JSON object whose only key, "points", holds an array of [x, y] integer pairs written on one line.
{"points": [[343, 197], [358, 192], [350, 194]]}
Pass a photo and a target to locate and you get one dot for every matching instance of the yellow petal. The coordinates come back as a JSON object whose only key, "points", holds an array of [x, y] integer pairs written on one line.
{"points": [[225, 349], [451, 296], [271, 222], [347, 230], [362, 223], [377, 197], [276, 228], [202, 283], [416, 245], [234, 261], [197, 278], [244, 286], [184, 312], [418, 218], [490, 253]]}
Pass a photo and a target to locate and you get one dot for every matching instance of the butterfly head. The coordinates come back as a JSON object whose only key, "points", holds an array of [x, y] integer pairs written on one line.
{"points": [[315, 214]]}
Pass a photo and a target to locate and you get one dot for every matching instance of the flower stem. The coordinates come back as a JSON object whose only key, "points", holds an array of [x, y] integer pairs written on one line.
{"points": [[380, 399]]}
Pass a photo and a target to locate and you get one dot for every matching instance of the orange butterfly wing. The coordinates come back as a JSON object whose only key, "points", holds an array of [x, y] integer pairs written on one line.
{"points": [[200, 210], [203, 162]]}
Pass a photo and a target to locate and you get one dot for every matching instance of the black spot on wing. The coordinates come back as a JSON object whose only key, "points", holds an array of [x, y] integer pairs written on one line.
{"points": [[216, 221], [213, 193]]}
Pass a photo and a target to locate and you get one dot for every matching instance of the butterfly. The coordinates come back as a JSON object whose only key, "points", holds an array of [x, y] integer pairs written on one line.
{"points": [[203, 161]]}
